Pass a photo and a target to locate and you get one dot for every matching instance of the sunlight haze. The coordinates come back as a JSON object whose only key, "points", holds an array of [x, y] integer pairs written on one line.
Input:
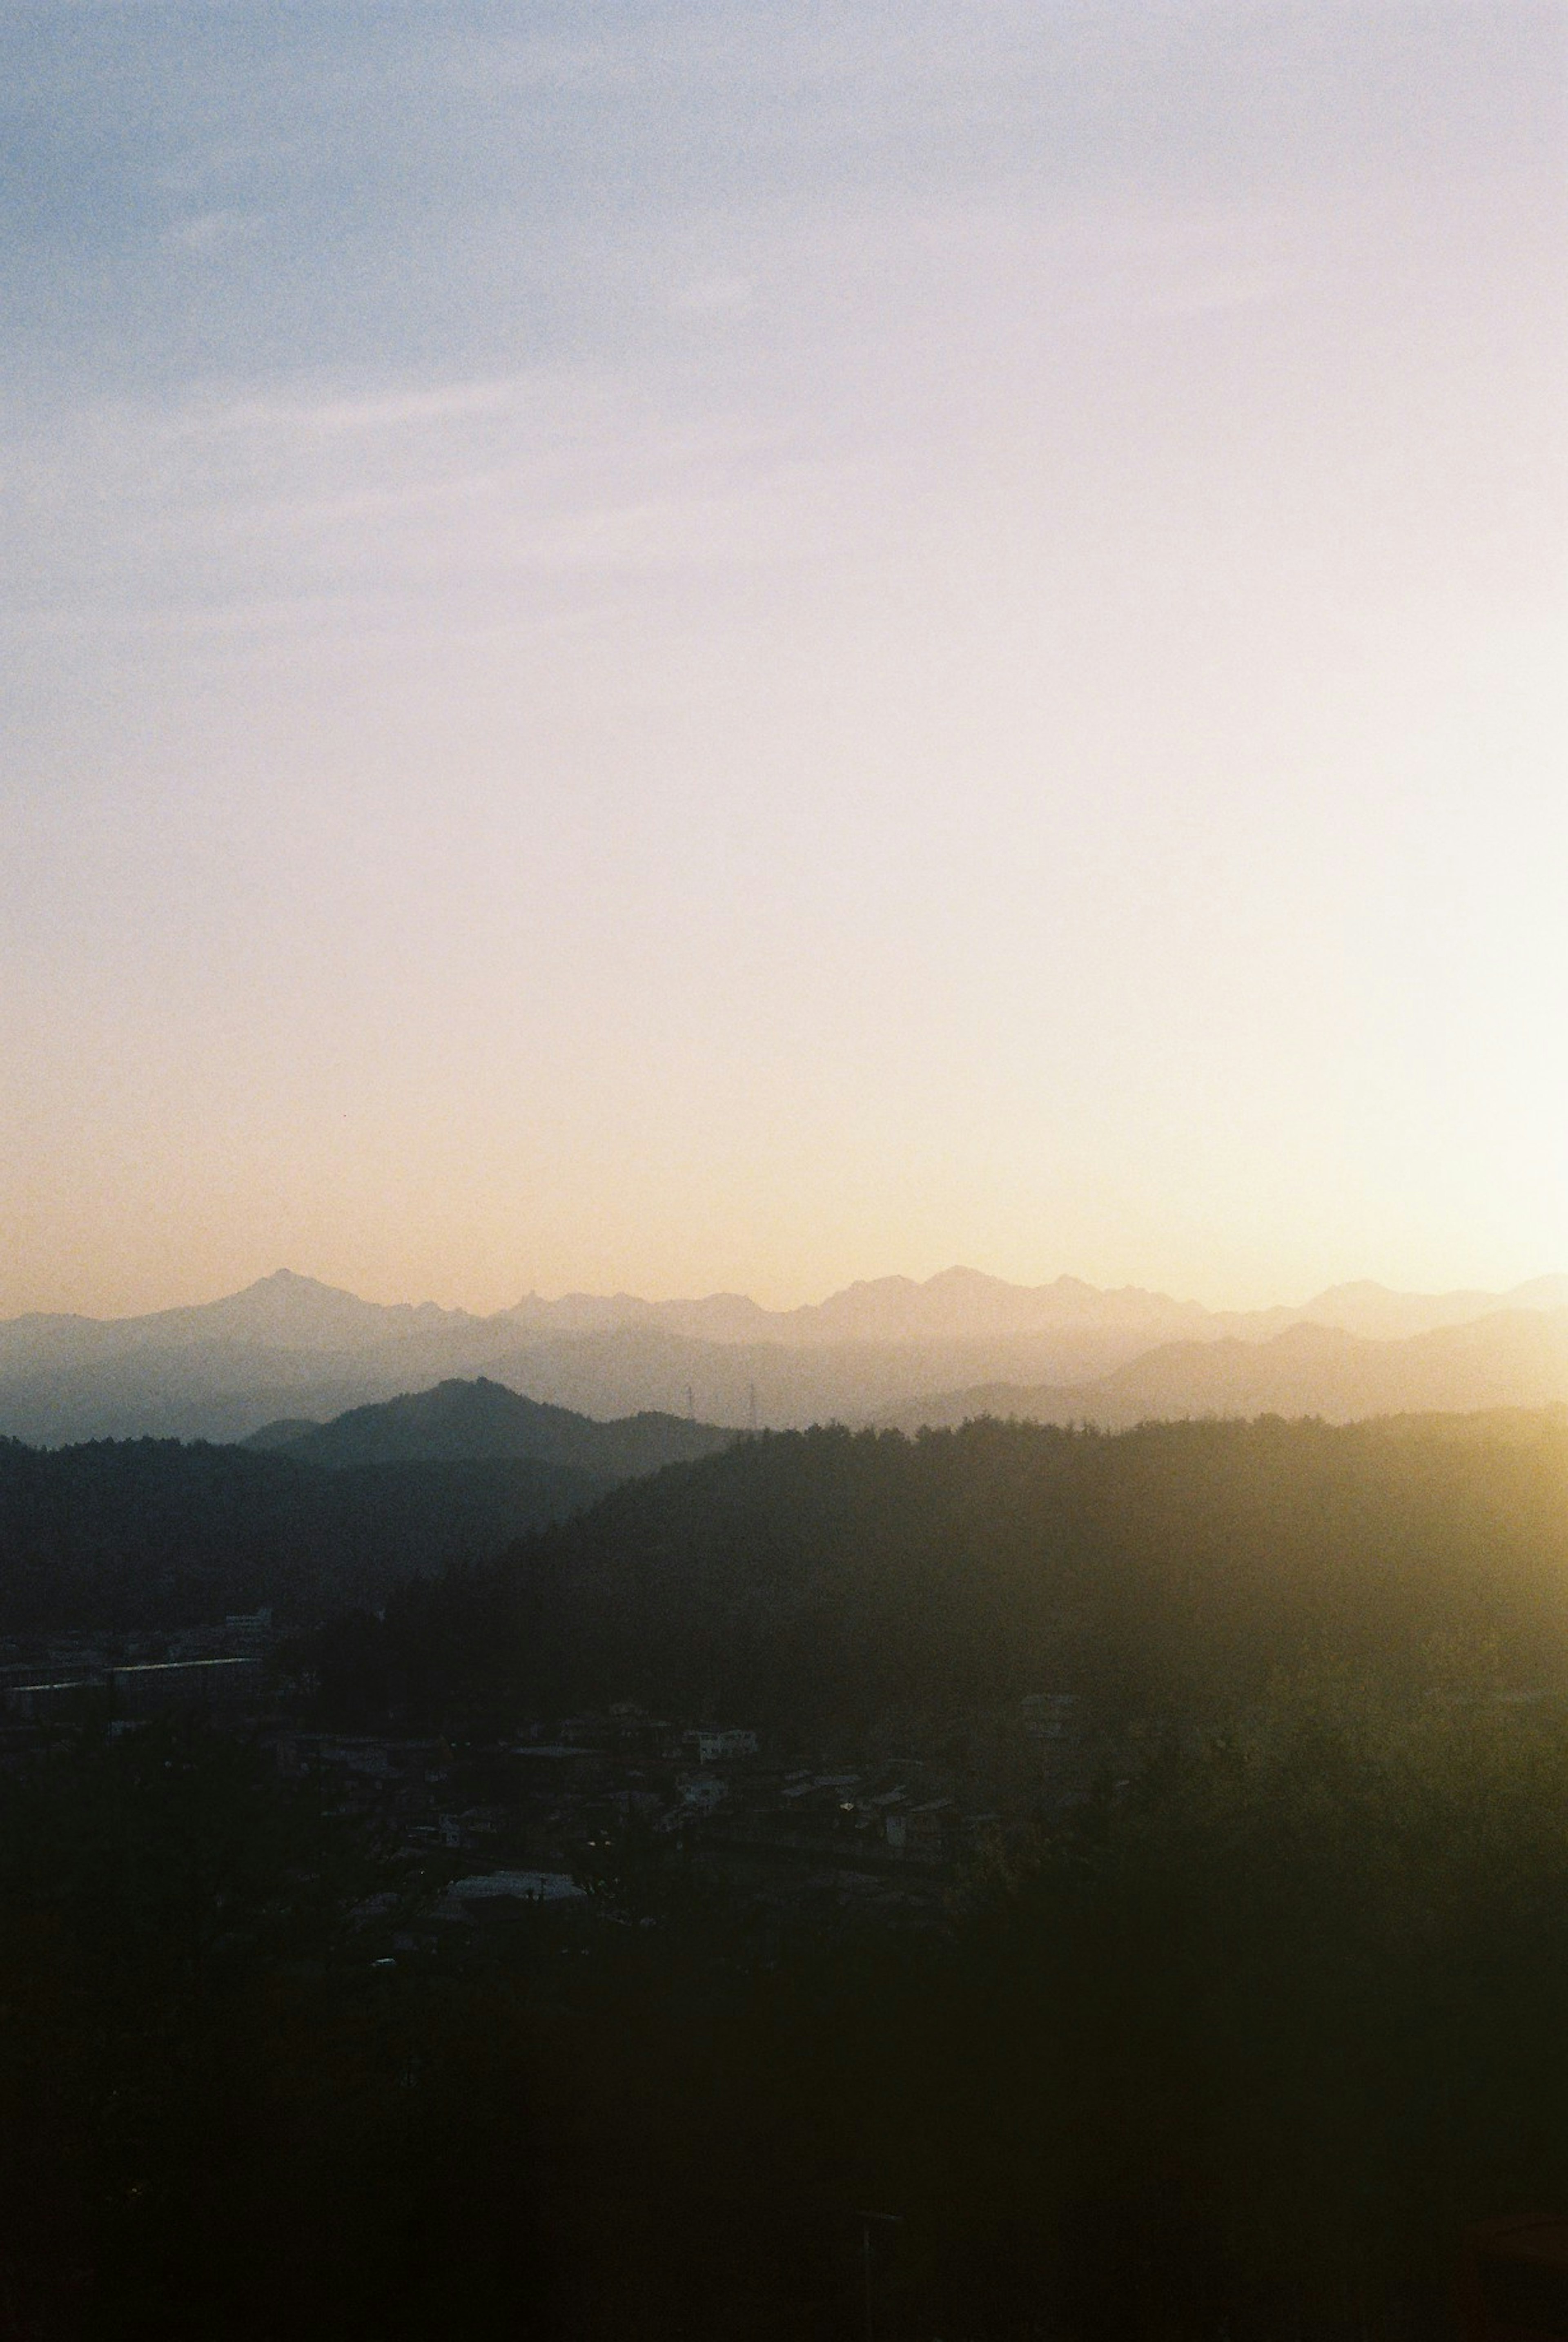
{"points": [[670, 647]]}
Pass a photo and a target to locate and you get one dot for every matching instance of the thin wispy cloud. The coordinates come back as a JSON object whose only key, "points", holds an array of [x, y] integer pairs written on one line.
{"points": [[988, 533]]}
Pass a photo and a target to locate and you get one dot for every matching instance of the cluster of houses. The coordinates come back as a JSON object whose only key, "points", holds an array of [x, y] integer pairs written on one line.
{"points": [[525, 1820]]}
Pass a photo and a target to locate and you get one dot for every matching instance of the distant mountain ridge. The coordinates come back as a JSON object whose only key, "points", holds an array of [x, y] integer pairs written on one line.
{"points": [[471, 1422], [290, 1347], [289, 1312], [964, 1304], [283, 1311], [1509, 1358]]}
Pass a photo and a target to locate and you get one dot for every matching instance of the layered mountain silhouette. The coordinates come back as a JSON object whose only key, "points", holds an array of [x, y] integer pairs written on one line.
{"points": [[470, 1422], [308, 1515], [1510, 1358], [290, 1347]]}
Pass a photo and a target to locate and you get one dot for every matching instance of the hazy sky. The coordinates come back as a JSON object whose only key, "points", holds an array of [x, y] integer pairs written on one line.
{"points": [[681, 646]]}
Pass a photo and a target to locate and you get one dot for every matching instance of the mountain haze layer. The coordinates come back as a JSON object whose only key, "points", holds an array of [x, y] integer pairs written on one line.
{"points": [[289, 1347], [1510, 1358]]}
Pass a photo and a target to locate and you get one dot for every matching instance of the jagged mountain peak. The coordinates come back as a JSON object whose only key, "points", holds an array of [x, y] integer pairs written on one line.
{"points": [[291, 1345]]}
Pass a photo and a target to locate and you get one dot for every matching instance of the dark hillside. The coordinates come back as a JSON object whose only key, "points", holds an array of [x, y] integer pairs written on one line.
{"points": [[146, 1532], [825, 1574]]}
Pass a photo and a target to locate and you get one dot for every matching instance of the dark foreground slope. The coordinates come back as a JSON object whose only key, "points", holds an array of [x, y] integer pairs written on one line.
{"points": [[824, 1577], [1238, 2051], [1238, 2043], [146, 1532]]}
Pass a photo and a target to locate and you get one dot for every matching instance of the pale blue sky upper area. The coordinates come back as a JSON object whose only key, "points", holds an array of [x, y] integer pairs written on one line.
{"points": [[681, 646], [217, 190]]}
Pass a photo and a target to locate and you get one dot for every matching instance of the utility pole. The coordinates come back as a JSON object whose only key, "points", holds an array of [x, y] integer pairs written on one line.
{"points": [[865, 2240], [752, 1407], [868, 2220], [691, 1405]]}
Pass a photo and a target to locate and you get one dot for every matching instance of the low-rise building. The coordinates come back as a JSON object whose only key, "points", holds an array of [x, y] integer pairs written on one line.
{"points": [[714, 1746], [704, 1793], [1049, 1715], [497, 1890]]}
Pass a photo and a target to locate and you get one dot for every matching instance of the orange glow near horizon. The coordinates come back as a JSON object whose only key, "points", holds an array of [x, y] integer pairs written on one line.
{"points": [[960, 661]]}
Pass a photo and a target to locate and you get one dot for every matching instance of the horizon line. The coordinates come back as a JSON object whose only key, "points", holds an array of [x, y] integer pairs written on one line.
{"points": [[285, 1276]]}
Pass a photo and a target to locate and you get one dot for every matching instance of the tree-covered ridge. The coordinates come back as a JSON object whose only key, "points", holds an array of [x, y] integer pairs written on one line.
{"points": [[807, 1577], [149, 1532], [804, 1575]]}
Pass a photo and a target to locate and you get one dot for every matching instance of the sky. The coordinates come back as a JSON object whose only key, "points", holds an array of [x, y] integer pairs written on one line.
{"points": [[678, 646]]}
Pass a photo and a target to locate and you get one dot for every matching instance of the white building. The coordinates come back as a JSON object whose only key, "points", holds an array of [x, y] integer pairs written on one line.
{"points": [[712, 1747]]}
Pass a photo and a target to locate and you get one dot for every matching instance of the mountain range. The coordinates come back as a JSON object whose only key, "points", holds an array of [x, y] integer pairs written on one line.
{"points": [[892, 1348], [1512, 1358]]}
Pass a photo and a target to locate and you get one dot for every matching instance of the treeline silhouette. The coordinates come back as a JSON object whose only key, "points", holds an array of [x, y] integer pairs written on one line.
{"points": [[805, 1577], [1238, 2051], [807, 1580], [150, 1533]]}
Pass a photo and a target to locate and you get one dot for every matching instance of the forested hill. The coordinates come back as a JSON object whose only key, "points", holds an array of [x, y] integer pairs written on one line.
{"points": [[150, 1533], [459, 1422], [828, 1574]]}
